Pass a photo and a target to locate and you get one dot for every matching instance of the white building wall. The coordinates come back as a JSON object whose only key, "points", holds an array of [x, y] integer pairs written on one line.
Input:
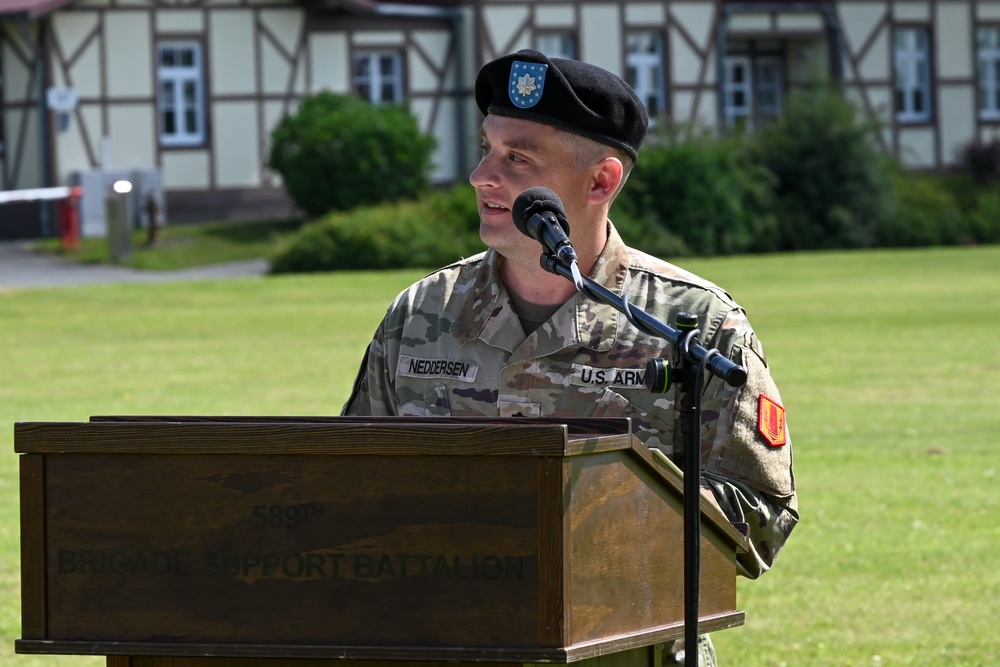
{"points": [[71, 29], [285, 26], [188, 169], [86, 73], [555, 16], [645, 14], [132, 132], [601, 37], [280, 69], [956, 105], [919, 12], [380, 38], [683, 105], [697, 18], [17, 85], [749, 22], [800, 22], [446, 155], [988, 11], [231, 58], [235, 145], [423, 76], [70, 145], [916, 147], [858, 20], [504, 27], [21, 92], [684, 63], [275, 68], [29, 174], [328, 55], [129, 54], [179, 21], [953, 26], [707, 110], [273, 112]]}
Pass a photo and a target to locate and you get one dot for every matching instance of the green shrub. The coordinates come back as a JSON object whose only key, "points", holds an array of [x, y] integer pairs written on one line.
{"points": [[648, 235], [981, 160], [338, 152], [926, 214], [433, 231], [984, 220], [962, 187], [833, 184], [703, 193]]}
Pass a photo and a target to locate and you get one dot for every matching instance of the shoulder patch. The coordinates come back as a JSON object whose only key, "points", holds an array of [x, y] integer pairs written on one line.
{"points": [[771, 421]]}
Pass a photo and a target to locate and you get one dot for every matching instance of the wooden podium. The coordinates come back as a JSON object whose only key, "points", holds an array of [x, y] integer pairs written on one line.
{"points": [[275, 541]]}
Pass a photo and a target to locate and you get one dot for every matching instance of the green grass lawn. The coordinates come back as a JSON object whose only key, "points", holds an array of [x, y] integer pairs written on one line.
{"points": [[887, 363]]}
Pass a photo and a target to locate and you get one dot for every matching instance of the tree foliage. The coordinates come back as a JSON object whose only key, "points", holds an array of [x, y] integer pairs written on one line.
{"points": [[339, 151], [833, 184]]}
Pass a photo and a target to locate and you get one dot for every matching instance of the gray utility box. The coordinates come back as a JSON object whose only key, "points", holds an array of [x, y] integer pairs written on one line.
{"points": [[147, 184]]}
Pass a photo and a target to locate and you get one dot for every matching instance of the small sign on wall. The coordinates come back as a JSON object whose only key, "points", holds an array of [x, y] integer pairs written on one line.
{"points": [[62, 101]]}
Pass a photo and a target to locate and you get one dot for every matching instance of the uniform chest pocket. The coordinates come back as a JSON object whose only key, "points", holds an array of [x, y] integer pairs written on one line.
{"points": [[432, 404], [652, 424]]}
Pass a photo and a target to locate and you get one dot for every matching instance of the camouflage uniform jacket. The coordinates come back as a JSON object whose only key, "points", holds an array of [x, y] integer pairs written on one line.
{"points": [[451, 345]]}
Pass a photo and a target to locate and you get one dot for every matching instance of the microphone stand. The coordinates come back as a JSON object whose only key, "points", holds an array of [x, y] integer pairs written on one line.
{"points": [[691, 360]]}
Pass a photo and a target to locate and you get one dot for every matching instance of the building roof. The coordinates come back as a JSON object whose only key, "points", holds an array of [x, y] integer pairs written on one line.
{"points": [[30, 8], [35, 8]]}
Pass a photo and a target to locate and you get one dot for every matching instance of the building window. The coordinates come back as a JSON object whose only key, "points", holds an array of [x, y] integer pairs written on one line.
{"points": [[913, 76], [737, 92], [753, 91], [378, 76], [988, 51], [181, 104], [644, 69], [556, 44], [770, 71]]}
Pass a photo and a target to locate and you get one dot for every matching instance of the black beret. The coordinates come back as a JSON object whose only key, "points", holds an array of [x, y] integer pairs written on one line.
{"points": [[568, 94]]}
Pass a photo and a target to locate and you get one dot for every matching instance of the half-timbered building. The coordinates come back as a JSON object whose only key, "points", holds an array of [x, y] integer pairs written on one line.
{"points": [[192, 88]]}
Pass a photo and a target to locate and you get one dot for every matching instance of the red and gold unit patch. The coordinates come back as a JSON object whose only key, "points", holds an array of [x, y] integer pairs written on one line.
{"points": [[771, 422]]}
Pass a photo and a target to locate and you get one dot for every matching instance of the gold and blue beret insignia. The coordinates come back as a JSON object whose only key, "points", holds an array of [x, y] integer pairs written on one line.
{"points": [[527, 81]]}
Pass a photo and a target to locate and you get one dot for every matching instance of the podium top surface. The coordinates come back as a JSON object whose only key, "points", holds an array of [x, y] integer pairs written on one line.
{"points": [[469, 436]]}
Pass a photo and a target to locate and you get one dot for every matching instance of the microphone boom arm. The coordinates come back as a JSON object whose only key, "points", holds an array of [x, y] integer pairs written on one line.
{"points": [[693, 360]]}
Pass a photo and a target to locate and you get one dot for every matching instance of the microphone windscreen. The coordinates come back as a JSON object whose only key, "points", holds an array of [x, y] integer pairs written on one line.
{"points": [[532, 201]]}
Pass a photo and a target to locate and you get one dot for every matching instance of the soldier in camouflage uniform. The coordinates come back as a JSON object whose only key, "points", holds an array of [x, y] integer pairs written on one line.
{"points": [[496, 335]]}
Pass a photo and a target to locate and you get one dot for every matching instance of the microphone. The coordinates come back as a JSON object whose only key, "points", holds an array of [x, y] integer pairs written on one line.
{"points": [[538, 213]]}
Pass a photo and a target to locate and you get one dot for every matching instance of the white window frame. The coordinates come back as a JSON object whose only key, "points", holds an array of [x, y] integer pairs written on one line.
{"points": [[913, 74], [731, 87], [180, 79], [645, 69], [988, 61], [375, 80]]}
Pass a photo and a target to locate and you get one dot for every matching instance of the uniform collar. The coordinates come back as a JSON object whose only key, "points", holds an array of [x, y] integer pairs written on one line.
{"points": [[487, 314]]}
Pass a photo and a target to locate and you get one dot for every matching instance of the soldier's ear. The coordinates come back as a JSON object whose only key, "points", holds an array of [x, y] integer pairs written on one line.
{"points": [[606, 176]]}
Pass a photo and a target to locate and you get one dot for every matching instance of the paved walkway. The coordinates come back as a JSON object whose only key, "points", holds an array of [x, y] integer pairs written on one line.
{"points": [[21, 267]]}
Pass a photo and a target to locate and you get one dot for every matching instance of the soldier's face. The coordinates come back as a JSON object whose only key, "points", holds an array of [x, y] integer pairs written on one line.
{"points": [[519, 154]]}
